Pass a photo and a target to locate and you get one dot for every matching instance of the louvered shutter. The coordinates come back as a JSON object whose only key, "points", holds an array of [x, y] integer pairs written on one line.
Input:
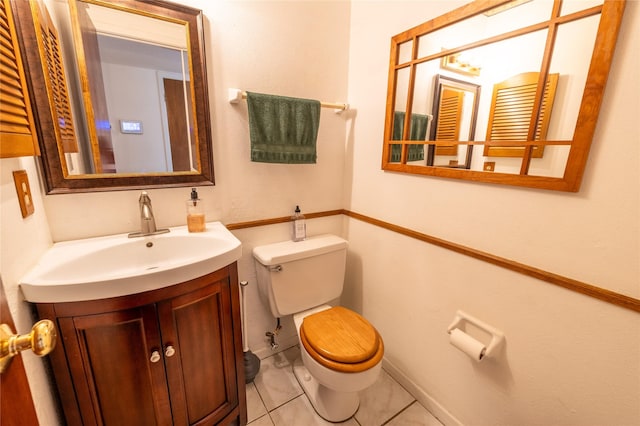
{"points": [[511, 110], [17, 131], [49, 44], [449, 116]]}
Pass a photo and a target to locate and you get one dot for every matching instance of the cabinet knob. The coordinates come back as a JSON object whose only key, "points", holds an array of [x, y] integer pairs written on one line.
{"points": [[169, 351], [155, 356]]}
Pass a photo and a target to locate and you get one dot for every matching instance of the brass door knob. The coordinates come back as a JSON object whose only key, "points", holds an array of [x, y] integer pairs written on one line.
{"points": [[41, 340]]}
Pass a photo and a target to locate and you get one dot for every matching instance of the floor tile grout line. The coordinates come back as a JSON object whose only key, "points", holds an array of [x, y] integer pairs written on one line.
{"points": [[262, 401], [402, 410], [278, 406], [285, 403]]}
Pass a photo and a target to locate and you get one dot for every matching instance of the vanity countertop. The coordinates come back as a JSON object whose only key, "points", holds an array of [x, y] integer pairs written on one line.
{"points": [[116, 265]]}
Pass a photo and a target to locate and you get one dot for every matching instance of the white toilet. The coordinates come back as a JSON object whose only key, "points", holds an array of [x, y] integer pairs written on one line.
{"points": [[341, 352]]}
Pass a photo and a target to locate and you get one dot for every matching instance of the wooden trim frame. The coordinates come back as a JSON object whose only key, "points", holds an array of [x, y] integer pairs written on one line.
{"points": [[583, 288], [284, 219], [610, 12]]}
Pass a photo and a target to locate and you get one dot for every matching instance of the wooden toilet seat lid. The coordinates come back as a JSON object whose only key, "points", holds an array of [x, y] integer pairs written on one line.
{"points": [[340, 335]]}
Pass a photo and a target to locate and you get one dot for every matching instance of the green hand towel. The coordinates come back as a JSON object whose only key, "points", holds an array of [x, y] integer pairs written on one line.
{"points": [[417, 132], [283, 129]]}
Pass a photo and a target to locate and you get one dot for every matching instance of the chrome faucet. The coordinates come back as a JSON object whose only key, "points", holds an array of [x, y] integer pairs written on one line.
{"points": [[147, 221]]}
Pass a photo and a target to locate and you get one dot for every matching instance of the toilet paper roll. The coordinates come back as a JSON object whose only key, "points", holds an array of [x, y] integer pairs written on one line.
{"points": [[467, 344]]}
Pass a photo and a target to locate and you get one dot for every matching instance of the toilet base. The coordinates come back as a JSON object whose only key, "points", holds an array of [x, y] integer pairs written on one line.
{"points": [[331, 405]]}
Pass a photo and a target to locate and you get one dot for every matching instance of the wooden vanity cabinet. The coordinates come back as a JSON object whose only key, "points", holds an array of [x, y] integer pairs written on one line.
{"points": [[171, 356]]}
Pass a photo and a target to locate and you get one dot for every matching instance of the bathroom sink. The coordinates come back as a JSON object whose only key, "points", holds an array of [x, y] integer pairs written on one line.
{"points": [[111, 266]]}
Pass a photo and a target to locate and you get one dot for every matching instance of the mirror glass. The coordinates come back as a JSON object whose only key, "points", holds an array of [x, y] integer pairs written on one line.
{"points": [[139, 98], [501, 91], [137, 90]]}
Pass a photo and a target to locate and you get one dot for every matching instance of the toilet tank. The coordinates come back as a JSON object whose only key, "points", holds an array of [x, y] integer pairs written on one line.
{"points": [[296, 276]]}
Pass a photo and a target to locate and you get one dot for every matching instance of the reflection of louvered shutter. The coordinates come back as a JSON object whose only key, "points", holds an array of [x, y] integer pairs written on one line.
{"points": [[511, 111], [17, 132], [449, 116], [56, 83]]}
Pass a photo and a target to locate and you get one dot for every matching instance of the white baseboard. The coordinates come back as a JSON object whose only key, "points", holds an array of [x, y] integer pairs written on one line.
{"points": [[427, 401]]}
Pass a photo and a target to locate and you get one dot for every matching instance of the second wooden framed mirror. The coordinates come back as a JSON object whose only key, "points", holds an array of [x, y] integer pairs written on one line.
{"points": [[539, 90]]}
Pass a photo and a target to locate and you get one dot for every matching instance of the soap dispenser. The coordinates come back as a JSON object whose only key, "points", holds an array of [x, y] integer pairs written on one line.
{"points": [[298, 226], [195, 213]]}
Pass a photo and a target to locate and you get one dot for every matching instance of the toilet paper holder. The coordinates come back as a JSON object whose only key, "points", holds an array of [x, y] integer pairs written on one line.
{"points": [[497, 337]]}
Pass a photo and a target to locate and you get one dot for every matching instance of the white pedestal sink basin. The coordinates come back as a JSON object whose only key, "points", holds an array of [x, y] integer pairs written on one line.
{"points": [[111, 266]]}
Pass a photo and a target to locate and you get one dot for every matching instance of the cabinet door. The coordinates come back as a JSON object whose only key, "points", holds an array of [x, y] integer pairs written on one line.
{"points": [[117, 380], [202, 371]]}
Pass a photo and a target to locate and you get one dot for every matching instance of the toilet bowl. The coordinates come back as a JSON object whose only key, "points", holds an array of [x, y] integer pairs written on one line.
{"points": [[331, 385], [340, 351]]}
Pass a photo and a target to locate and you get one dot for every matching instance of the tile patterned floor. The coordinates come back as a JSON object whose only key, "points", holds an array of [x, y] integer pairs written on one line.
{"points": [[276, 399]]}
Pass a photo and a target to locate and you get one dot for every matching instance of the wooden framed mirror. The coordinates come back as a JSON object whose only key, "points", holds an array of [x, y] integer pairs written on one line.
{"points": [[541, 138], [455, 112], [137, 109]]}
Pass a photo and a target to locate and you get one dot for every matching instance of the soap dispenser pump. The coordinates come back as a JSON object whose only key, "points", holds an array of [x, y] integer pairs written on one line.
{"points": [[195, 213], [298, 226]]}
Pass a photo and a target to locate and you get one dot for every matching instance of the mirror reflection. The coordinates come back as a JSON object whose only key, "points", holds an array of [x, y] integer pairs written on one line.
{"points": [[136, 110], [508, 91], [455, 110]]}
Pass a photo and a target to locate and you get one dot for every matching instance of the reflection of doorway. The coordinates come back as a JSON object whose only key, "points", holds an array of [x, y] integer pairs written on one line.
{"points": [[179, 140], [99, 127], [178, 123]]}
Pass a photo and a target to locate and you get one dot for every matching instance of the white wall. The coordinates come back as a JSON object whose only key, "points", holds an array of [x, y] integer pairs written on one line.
{"points": [[133, 94], [568, 359], [22, 242], [288, 48]]}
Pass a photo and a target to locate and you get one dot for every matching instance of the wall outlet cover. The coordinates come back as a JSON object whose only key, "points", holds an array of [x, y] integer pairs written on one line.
{"points": [[21, 179]]}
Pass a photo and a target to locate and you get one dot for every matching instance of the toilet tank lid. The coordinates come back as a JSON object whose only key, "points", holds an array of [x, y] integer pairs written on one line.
{"points": [[287, 251]]}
